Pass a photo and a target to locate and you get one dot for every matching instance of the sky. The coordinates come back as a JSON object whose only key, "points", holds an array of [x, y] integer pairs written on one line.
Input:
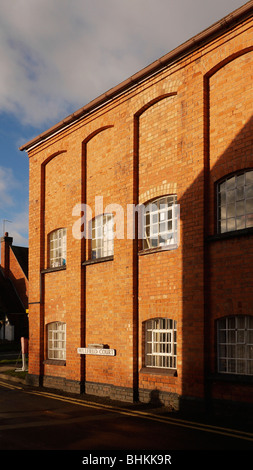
{"points": [[58, 55]]}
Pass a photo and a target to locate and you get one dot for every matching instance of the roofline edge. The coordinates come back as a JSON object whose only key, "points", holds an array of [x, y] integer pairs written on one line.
{"points": [[244, 12]]}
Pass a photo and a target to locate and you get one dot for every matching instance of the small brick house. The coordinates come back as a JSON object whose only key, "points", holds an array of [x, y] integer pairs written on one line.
{"points": [[141, 230], [13, 290]]}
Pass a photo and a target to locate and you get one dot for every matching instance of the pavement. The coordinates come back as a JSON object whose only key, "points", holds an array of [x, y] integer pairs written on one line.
{"points": [[11, 378]]}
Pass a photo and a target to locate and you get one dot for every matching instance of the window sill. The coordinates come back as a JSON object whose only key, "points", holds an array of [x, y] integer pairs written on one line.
{"points": [[240, 379], [55, 362], [232, 234], [52, 270], [159, 249], [98, 260], [159, 371]]}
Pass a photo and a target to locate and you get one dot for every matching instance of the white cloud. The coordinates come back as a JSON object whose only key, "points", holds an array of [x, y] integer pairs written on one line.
{"points": [[7, 183], [18, 229], [56, 55]]}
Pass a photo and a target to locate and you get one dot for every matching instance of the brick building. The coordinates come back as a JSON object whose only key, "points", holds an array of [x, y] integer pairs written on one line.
{"points": [[158, 301], [13, 290]]}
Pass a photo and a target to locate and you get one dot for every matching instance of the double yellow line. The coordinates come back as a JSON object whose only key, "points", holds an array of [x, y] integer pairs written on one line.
{"points": [[234, 433], [10, 386], [152, 417]]}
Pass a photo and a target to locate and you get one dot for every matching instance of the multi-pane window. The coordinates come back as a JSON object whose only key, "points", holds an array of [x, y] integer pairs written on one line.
{"points": [[102, 243], [161, 223], [161, 343], [57, 248], [56, 340], [235, 202], [235, 345]]}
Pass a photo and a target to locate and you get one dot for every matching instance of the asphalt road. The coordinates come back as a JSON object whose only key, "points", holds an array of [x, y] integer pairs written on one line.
{"points": [[37, 419]]}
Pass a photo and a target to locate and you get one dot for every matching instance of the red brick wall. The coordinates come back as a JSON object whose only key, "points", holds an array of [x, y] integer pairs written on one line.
{"points": [[109, 285], [19, 279], [156, 139], [13, 269], [231, 150]]}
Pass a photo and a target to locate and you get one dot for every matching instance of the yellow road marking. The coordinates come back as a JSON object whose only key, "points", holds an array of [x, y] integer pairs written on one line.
{"points": [[142, 414], [11, 386], [162, 419]]}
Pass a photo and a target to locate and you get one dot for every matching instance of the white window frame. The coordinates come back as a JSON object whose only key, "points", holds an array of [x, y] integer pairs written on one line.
{"points": [[102, 242], [161, 343], [235, 345], [57, 248], [56, 341], [161, 223], [235, 202]]}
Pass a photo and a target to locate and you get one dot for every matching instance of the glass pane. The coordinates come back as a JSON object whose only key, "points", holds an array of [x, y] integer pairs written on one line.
{"points": [[169, 214], [240, 223], [240, 180], [240, 322], [161, 240], [250, 337], [154, 242], [223, 212], [223, 187], [223, 350], [154, 218], [241, 367], [162, 203], [249, 206], [163, 227], [230, 197], [249, 221], [147, 219], [223, 198], [240, 208], [231, 322], [249, 177], [249, 191], [230, 183], [240, 336], [146, 244], [249, 352], [162, 216], [231, 366], [230, 224], [223, 226], [230, 210], [223, 365], [250, 367], [240, 193], [154, 229]]}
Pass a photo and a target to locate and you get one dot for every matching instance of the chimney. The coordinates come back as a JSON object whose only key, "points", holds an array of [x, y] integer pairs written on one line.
{"points": [[6, 242]]}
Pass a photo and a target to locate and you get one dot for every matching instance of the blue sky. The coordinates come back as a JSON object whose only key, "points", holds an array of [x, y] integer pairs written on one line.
{"points": [[57, 55]]}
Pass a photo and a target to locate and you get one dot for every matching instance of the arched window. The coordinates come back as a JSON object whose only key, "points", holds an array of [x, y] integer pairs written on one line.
{"points": [[57, 248], [235, 202], [56, 340], [235, 345], [160, 224], [161, 343], [102, 243]]}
